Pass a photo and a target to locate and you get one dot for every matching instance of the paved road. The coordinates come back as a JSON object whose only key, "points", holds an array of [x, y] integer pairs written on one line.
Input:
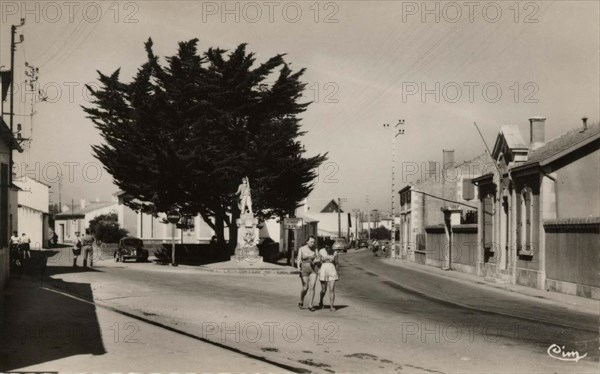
{"points": [[495, 315], [433, 326], [453, 294]]}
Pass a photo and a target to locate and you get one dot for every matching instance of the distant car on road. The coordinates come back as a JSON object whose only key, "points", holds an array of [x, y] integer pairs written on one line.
{"points": [[363, 243], [131, 248], [340, 244]]}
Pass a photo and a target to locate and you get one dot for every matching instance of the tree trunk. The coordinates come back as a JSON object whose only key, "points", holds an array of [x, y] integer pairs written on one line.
{"points": [[233, 231], [220, 228]]}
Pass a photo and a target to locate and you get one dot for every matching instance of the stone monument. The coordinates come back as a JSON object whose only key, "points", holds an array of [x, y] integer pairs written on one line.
{"points": [[246, 252]]}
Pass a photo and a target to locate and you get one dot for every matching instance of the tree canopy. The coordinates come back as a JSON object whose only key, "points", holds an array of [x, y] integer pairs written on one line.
{"points": [[181, 135]]}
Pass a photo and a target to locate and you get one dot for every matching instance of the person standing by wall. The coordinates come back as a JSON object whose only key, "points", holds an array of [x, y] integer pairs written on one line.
{"points": [[14, 248]]}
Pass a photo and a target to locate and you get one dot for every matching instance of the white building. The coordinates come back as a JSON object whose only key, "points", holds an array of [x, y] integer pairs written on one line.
{"points": [[74, 220], [331, 219], [32, 211]]}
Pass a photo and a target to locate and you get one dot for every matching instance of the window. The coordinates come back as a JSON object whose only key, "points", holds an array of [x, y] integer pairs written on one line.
{"points": [[4, 187], [524, 209]]}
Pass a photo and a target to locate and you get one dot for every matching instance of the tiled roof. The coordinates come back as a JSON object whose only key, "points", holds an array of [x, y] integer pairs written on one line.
{"points": [[306, 218], [90, 207], [566, 142], [513, 136]]}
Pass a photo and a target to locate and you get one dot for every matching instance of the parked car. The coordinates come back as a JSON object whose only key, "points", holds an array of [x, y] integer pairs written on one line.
{"points": [[363, 243], [268, 249], [340, 244], [131, 248]]}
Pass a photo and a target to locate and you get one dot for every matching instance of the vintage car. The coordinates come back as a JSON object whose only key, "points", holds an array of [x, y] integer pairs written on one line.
{"points": [[363, 242], [131, 248], [340, 244]]}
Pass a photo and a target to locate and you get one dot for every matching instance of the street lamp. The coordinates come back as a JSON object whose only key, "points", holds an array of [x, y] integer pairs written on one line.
{"points": [[173, 217], [395, 132]]}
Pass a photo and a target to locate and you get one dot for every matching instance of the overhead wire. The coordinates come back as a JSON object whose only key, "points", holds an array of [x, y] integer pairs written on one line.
{"points": [[69, 53], [51, 46], [66, 43]]}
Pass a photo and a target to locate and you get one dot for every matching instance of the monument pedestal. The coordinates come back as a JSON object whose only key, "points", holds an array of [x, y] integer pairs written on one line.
{"points": [[246, 252]]}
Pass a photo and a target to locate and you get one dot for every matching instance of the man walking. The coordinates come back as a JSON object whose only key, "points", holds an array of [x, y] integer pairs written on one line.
{"points": [[76, 248], [87, 245], [24, 246]]}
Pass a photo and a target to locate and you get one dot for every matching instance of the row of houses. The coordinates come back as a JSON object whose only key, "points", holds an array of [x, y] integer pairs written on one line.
{"points": [[527, 214], [23, 200], [326, 222]]}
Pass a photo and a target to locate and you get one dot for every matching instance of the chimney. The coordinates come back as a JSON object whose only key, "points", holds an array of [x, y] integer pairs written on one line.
{"points": [[448, 157], [585, 127], [537, 132], [448, 174], [432, 171], [82, 203]]}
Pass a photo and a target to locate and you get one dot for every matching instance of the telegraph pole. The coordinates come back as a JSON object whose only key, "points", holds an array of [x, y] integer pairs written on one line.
{"points": [[13, 48], [60, 179], [340, 201], [368, 219], [339, 218], [356, 211], [396, 131]]}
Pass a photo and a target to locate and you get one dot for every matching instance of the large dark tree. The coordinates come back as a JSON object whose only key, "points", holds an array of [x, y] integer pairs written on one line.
{"points": [[181, 135]]}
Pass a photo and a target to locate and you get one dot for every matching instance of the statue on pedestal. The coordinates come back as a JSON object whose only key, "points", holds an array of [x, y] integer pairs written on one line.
{"points": [[248, 233]]}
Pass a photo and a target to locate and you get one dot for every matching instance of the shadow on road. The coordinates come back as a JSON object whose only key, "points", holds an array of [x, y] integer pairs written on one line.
{"points": [[40, 325]]}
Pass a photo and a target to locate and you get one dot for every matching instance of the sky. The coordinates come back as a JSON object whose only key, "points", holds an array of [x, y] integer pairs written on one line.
{"points": [[439, 66]]}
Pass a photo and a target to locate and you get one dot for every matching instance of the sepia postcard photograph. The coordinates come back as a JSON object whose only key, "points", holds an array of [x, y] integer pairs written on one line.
{"points": [[308, 186]]}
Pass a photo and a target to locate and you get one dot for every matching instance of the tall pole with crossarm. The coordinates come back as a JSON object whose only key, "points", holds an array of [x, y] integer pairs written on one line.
{"points": [[395, 131], [13, 48]]}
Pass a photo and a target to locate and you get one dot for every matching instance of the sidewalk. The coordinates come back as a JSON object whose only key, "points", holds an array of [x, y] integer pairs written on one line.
{"points": [[589, 306]]}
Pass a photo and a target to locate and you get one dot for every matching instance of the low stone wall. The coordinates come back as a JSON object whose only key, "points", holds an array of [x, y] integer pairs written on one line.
{"points": [[434, 245], [463, 252], [464, 247], [572, 253]]}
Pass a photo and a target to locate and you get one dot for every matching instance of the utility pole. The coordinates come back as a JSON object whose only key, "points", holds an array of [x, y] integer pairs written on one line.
{"points": [[339, 218], [32, 73], [13, 48], [340, 200], [356, 211], [59, 194], [368, 219], [395, 132]]}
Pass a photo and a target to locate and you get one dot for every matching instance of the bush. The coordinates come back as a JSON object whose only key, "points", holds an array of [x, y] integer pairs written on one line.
{"points": [[106, 229], [109, 232]]}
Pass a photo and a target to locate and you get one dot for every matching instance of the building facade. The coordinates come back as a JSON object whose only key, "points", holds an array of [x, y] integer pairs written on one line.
{"points": [[421, 203], [32, 210], [539, 210]]}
